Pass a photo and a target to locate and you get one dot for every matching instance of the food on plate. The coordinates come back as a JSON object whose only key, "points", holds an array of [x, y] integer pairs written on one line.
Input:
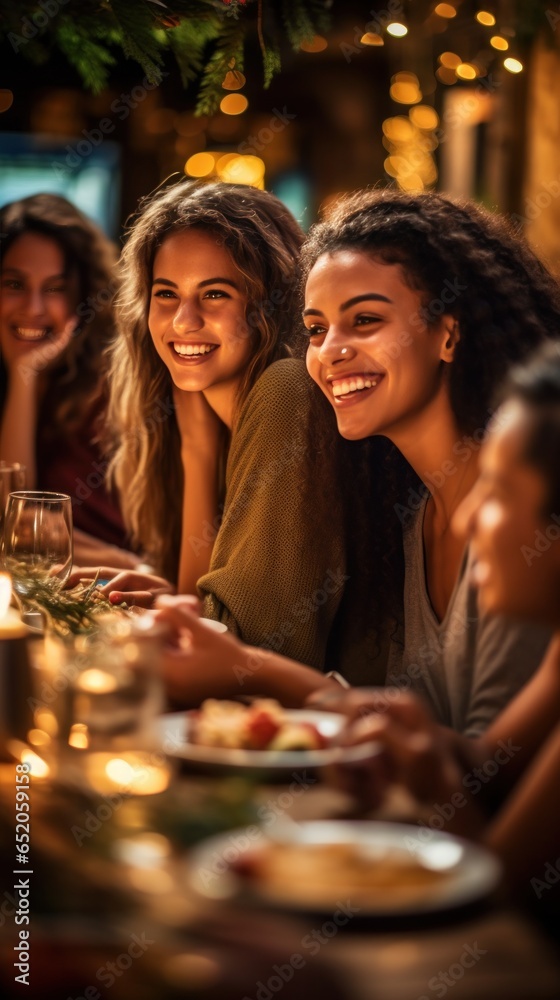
{"points": [[319, 873], [263, 725]]}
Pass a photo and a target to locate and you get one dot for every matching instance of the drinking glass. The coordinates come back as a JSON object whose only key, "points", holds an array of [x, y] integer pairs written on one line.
{"points": [[38, 539], [12, 477]]}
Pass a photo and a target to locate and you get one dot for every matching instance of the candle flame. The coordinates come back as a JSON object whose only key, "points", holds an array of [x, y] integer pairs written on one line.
{"points": [[5, 593]]}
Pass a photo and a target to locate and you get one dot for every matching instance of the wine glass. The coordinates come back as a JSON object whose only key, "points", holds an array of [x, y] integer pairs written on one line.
{"points": [[38, 540]]}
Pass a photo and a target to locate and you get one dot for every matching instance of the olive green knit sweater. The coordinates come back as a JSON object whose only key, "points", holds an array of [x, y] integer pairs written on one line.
{"points": [[271, 579]]}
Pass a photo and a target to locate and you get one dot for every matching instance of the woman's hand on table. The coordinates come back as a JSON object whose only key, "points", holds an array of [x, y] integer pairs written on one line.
{"points": [[198, 662], [117, 585], [416, 753]]}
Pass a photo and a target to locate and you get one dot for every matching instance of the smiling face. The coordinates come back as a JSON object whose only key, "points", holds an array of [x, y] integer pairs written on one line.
{"points": [[197, 313], [515, 545], [38, 297], [369, 350]]}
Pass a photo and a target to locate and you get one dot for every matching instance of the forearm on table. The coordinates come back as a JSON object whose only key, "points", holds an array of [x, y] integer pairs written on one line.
{"points": [[19, 427], [267, 674], [200, 510]]}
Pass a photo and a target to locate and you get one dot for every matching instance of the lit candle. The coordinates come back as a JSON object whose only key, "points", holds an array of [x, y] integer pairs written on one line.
{"points": [[16, 718], [11, 625]]}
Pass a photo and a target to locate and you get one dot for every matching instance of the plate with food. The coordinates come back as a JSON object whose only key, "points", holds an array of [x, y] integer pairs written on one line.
{"points": [[263, 736], [376, 869]]}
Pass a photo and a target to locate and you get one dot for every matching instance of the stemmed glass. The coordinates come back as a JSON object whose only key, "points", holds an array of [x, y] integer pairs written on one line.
{"points": [[38, 539]]}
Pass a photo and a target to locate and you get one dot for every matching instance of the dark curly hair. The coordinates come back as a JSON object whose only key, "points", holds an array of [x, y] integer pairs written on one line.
{"points": [[465, 262], [75, 381]]}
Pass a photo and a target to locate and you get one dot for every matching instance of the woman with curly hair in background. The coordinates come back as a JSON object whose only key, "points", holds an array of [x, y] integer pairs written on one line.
{"points": [[56, 321]]}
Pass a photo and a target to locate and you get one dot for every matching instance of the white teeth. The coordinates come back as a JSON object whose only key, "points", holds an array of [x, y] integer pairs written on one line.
{"points": [[190, 349], [352, 385], [27, 334]]}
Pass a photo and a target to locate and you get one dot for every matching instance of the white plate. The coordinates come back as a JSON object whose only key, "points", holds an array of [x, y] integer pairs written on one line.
{"points": [[469, 871], [173, 734]]}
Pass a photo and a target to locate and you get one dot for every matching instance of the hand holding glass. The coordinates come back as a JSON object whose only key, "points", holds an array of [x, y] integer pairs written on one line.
{"points": [[38, 538]]}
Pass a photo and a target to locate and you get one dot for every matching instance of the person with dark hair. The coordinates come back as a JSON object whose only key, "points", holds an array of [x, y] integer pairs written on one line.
{"points": [[56, 321], [207, 411], [504, 783], [414, 307]]}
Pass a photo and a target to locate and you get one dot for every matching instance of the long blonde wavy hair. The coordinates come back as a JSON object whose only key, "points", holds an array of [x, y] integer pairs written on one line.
{"points": [[264, 240]]}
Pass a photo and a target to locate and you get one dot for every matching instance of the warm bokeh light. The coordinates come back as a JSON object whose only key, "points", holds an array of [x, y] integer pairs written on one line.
{"points": [[467, 71], [38, 738], [38, 768], [233, 80], [200, 165], [403, 76], [133, 772], [397, 30], [484, 17], [234, 104], [96, 681], [316, 44], [398, 129], [446, 75], [5, 593], [7, 99], [497, 42], [405, 93], [370, 38], [450, 60], [513, 65], [424, 117], [78, 736], [445, 10], [238, 169], [411, 182]]}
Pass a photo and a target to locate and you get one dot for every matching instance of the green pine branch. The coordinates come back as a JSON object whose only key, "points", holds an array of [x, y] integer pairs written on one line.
{"points": [[229, 49]]}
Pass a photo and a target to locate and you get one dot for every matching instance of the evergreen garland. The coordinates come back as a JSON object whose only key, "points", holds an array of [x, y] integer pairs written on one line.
{"points": [[206, 36]]}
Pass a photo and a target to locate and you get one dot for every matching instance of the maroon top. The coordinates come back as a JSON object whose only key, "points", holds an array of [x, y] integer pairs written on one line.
{"points": [[75, 464]]}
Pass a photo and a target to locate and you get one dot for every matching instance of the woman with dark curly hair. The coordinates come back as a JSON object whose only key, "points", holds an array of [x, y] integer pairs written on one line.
{"points": [[415, 307], [56, 321]]}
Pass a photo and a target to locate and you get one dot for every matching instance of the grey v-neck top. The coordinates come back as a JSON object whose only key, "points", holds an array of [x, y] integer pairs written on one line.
{"points": [[469, 665]]}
